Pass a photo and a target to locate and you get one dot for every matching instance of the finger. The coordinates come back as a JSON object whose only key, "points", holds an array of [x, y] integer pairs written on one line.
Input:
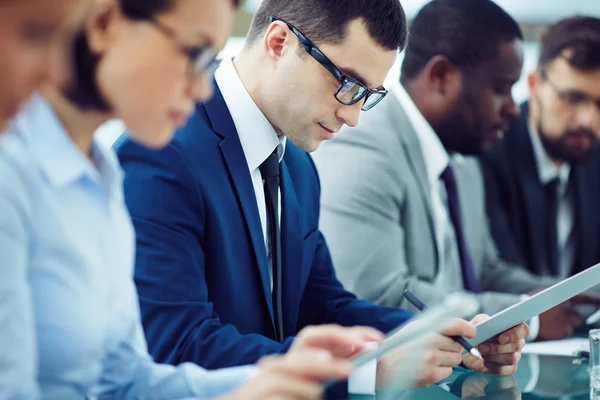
{"points": [[514, 335], [441, 342], [488, 348], [503, 359], [569, 330], [365, 334], [479, 318], [586, 299], [342, 342], [443, 358], [460, 327], [313, 364], [574, 318]]}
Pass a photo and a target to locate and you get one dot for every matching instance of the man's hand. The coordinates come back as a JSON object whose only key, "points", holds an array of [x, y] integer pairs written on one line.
{"points": [[439, 358], [339, 341], [501, 354], [561, 321], [295, 376], [318, 354]]}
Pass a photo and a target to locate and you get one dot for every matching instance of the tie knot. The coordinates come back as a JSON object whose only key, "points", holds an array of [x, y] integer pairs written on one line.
{"points": [[270, 167]]}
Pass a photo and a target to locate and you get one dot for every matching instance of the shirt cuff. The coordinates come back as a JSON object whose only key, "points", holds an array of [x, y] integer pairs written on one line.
{"points": [[363, 380]]}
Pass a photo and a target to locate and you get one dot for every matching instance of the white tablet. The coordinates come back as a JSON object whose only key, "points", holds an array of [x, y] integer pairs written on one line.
{"points": [[537, 304]]}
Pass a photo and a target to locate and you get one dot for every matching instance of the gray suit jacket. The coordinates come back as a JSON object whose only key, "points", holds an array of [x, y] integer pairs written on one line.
{"points": [[377, 217]]}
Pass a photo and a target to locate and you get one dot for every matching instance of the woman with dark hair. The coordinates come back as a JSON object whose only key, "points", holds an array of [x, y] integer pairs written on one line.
{"points": [[69, 314], [33, 35]]}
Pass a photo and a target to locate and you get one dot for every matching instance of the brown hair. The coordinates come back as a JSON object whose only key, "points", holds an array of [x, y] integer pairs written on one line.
{"points": [[580, 35], [325, 21]]}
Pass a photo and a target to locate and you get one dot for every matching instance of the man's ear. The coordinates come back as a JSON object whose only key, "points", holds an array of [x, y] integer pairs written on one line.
{"points": [[443, 76], [533, 83], [278, 40]]}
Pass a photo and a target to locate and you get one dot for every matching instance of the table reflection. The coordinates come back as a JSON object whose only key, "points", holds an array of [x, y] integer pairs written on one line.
{"points": [[538, 377]]}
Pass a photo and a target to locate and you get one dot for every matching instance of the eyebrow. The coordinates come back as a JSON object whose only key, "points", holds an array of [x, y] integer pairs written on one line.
{"points": [[355, 75]]}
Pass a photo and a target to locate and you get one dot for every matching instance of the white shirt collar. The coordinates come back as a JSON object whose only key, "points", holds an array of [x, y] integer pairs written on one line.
{"points": [[436, 157], [257, 135], [547, 170]]}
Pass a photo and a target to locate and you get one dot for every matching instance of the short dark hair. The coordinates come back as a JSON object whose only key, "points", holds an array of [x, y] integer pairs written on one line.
{"points": [[83, 89], [467, 32], [325, 21], [581, 34]]}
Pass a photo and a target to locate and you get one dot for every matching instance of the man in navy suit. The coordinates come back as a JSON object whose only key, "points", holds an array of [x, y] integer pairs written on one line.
{"points": [[542, 179], [230, 261]]}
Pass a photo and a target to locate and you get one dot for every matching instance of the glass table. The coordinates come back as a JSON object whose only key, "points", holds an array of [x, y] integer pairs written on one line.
{"points": [[538, 377]]}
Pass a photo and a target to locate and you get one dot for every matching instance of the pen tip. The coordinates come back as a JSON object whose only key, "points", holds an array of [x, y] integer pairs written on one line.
{"points": [[476, 353]]}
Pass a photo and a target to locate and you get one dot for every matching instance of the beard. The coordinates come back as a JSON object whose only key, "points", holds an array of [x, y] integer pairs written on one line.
{"points": [[562, 148]]}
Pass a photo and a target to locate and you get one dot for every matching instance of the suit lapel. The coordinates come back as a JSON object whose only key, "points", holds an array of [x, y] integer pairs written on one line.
{"points": [[530, 187], [234, 157], [416, 162], [291, 248]]}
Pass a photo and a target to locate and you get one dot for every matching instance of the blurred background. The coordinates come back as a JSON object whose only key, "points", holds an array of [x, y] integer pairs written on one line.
{"points": [[531, 14]]}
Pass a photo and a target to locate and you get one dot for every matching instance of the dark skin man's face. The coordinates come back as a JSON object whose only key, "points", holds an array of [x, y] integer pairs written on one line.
{"points": [[480, 114]]}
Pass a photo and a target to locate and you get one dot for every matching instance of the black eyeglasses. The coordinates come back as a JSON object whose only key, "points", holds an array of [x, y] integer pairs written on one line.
{"points": [[572, 98], [203, 59], [350, 90]]}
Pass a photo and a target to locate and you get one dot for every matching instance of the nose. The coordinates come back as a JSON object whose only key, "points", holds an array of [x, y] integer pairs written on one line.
{"points": [[201, 88], [349, 114]]}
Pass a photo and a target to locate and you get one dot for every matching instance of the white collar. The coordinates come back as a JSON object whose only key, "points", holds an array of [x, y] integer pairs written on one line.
{"points": [[547, 170], [257, 135], [435, 155]]}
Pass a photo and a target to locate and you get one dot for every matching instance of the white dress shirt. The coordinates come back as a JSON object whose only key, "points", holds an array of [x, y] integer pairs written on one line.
{"points": [[257, 136], [259, 139], [565, 218], [69, 314]]}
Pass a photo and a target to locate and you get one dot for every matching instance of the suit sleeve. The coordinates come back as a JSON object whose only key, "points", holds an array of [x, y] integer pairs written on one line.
{"points": [[179, 320], [501, 231], [338, 305], [362, 219]]}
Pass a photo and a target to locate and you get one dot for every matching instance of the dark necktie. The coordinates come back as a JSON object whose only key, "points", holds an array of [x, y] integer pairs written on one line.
{"points": [[470, 280], [552, 257], [269, 170]]}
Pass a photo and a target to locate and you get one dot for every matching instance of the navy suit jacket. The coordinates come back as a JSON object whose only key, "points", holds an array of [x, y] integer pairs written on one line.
{"points": [[516, 201], [202, 270]]}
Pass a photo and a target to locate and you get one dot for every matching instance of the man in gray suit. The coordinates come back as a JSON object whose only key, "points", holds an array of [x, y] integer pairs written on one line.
{"points": [[401, 208]]}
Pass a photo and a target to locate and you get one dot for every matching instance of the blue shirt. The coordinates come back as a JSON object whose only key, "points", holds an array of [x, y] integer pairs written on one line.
{"points": [[69, 314]]}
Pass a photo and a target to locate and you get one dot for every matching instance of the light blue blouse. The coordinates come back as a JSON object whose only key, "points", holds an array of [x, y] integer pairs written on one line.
{"points": [[69, 315]]}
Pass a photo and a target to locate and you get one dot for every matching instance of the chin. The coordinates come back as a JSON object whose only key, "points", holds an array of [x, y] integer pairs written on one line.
{"points": [[155, 139]]}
